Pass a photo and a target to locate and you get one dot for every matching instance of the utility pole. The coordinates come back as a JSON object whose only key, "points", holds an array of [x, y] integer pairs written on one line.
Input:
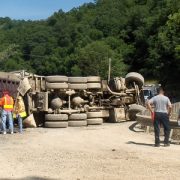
{"points": [[109, 73]]}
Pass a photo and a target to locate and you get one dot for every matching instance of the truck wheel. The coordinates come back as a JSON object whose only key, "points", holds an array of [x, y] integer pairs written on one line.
{"points": [[94, 85], [78, 86], [133, 110], [95, 121], [100, 114], [56, 117], [56, 86], [77, 79], [93, 79], [56, 124], [134, 77], [81, 116], [56, 78], [77, 123]]}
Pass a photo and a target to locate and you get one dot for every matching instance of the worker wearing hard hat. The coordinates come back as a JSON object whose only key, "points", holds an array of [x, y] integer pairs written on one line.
{"points": [[19, 112], [7, 104]]}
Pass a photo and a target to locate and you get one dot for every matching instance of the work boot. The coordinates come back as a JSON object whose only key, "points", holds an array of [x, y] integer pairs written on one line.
{"points": [[157, 145], [166, 144]]}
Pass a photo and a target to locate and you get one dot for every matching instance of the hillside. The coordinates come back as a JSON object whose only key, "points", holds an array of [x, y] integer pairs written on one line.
{"points": [[138, 35]]}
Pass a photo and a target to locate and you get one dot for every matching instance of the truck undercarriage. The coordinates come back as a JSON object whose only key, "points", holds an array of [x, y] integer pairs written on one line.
{"points": [[61, 101]]}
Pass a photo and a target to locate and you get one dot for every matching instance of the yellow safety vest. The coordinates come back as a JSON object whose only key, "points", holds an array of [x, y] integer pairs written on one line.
{"points": [[22, 114]]}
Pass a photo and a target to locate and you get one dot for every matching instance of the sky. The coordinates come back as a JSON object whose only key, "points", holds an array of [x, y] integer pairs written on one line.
{"points": [[36, 9]]}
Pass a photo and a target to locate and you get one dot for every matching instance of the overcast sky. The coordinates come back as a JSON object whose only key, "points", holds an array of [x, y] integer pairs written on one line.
{"points": [[36, 9]]}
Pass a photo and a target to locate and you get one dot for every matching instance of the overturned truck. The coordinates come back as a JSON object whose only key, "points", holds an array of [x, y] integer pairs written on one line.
{"points": [[61, 101]]}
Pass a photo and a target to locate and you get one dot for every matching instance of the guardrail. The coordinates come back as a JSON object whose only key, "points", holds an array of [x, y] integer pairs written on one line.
{"points": [[145, 117]]}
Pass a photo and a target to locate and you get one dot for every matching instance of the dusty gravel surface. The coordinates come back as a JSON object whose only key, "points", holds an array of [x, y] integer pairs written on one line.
{"points": [[108, 152]]}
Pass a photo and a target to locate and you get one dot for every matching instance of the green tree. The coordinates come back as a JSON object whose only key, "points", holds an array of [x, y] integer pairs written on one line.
{"points": [[93, 60]]}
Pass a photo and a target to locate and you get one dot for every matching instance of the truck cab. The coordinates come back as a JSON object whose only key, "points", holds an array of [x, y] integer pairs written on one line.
{"points": [[150, 91]]}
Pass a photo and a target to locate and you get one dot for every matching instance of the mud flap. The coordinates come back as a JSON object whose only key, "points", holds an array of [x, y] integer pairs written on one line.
{"points": [[29, 122]]}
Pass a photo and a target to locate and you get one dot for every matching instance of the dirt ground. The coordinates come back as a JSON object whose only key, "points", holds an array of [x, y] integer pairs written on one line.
{"points": [[108, 152]]}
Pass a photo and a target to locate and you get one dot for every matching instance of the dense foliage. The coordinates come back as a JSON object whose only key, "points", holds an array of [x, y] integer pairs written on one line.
{"points": [[138, 35]]}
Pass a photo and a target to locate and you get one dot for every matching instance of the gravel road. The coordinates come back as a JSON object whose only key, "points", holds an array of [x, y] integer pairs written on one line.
{"points": [[108, 152]]}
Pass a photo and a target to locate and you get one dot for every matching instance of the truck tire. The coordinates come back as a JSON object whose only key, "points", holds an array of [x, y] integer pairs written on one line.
{"points": [[99, 114], [56, 78], [134, 77], [56, 86], [133, 110], [77, 123], [56, 124], [78, 116], [77, 79], [95, 121], [94, 85], [93, 79], [78, 86], [56, 117]]}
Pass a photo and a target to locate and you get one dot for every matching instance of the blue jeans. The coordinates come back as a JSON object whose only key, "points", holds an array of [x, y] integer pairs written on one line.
{"points": [[161, 118], [7, 115], [20, 123]]}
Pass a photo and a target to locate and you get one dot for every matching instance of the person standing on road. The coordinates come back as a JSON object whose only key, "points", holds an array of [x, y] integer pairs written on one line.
{"points": [[162, 112], [7, 103], [19, 111]]}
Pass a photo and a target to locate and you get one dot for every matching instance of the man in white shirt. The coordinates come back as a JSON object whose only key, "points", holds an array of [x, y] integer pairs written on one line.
{"points": [[162, 111]]}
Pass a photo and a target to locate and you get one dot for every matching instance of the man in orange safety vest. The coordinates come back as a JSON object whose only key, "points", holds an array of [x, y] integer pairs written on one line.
{"points": [[7, 104]]}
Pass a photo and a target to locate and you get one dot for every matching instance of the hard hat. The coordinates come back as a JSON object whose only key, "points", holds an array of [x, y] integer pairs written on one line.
{"points": [[5, 92]]}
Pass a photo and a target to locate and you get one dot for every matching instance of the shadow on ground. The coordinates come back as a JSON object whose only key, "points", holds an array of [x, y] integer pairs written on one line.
{"points": [[30, 178], [140, 144], [133, 126]]}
